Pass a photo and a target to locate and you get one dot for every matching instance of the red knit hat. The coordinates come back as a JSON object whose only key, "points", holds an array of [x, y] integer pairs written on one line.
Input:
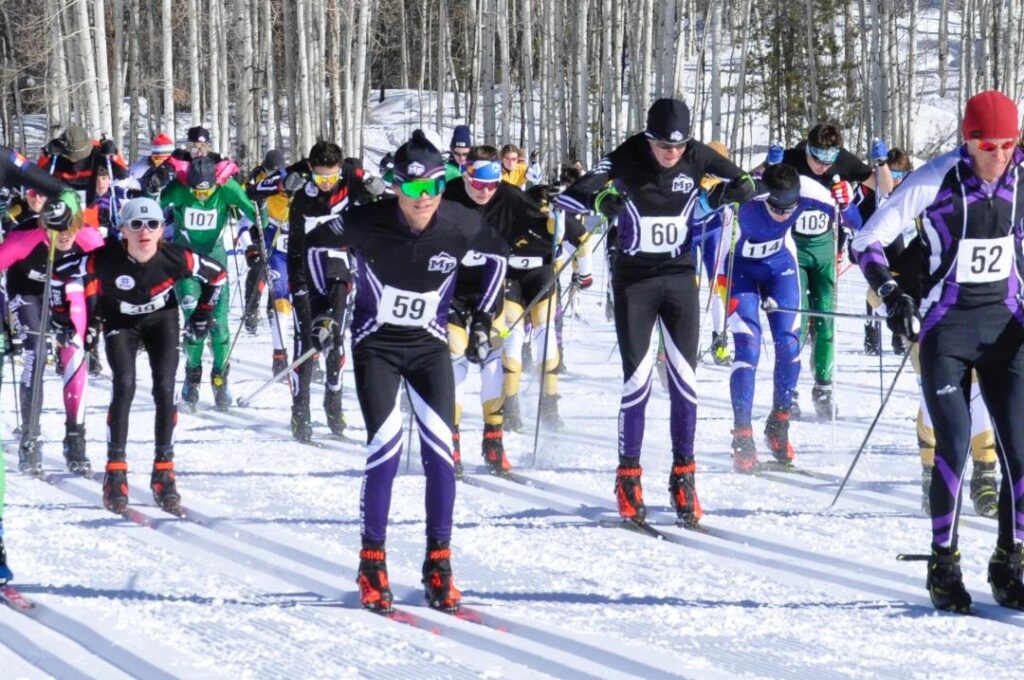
{"points": [[991, 115], [162, 144]]}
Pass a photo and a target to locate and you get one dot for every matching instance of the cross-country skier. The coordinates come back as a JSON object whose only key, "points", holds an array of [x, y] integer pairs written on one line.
{"points": [[74, 158], [650, 183], [407, 251], [972, 318], [133, 283]]}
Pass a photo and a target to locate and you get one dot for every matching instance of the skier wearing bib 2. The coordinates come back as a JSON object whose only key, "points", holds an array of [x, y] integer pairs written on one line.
{"points": [[972, 201], [406, 252], [650, 183]]}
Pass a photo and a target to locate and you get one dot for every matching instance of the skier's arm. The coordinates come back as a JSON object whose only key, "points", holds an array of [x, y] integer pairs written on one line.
{"points": [[238, 199], [18, 244], [209, 273], [580, 196], [15, 169], [494, 250]]}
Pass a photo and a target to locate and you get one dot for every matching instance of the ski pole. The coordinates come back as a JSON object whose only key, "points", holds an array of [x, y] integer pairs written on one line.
{"points": [[867, 436], [835, 301], [28, 437], [771, 307], [113, 192], [556, 236], [245, 402]]}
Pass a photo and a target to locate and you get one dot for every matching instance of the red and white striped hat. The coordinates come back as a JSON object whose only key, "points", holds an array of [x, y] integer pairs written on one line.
{"points": [[162, 145]]}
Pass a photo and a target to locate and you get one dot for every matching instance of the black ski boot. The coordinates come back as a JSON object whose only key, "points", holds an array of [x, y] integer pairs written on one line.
{"points": [[945, 582], [494, 451], [744, 451], [438, 582], [682, 491], [1005, 569], [720, 349], [629, 493], [374, 588], [74, 450], [794, 407], [302, 428], [30, 455], [221, 394], [926, 490], [823, 404], [512, 420], [985, 489], [457, 452], [872, 341], [280, 363], [251, 321], [899, 344], [190, 390], [115, 486], [5, 571], [335, 416], [95, 365], [165, 491], [549, 417], [776, 434]]}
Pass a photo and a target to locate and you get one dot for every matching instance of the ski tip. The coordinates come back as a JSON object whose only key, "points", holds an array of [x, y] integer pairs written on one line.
{"points": [[243, 402], [907, 557]]}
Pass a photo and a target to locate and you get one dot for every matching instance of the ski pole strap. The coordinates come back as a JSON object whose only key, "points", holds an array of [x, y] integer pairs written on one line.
{"points": [[609, 190]]}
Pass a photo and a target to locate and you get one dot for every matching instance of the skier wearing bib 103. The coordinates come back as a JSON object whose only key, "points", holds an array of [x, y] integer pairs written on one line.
{"points": [[765, 268], [407, 251], [201, 211], [650, 184], [972, 206]]}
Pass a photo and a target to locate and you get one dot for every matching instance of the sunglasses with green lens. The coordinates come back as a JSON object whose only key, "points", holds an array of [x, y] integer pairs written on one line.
{"points": [[415, 188]]}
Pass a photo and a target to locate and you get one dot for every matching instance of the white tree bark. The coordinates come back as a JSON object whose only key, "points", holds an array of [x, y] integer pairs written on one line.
{"points": [[716, 71], [87, 60], [212, 54], [486, 50], [167, 40], [303, 122], [102, 70], [117, 82], [360, 81], [269, 62], [195, 89], [134, 90], [246, 149]]}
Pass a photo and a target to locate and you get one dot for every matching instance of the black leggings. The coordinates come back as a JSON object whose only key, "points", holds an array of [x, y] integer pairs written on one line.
{"points": [[157, 333], [304, 310]]}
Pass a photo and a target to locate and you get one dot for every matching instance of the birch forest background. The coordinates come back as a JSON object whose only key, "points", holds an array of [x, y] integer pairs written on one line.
{"points": [[568, 77]]}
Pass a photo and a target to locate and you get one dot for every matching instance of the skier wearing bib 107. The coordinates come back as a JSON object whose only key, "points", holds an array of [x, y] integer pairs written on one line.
{"points": [[407, 251], [201, 211], [972, 206], [650, 184], [765, 268]]}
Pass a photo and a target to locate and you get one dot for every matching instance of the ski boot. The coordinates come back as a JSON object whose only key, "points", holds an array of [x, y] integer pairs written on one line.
{"points": [[251, 321], [744, 451], [74, 450], [720, 349], [5, 571], [335, 416], [513, 421], [776, 434], [302, 428], [457, 452], [30, 455], [439, 584], [683, 491], [823, 404], [115, 486], [221, 394], [872, 341], [549, 418], [374, 588], [280, 363], [95, 365], [794, 407], [926, 489], [1005, 569], [629, 493], [661, 368], [945, 582], [899, 344], [494, 451], [190, 390], [165, 491], [985, 489]]}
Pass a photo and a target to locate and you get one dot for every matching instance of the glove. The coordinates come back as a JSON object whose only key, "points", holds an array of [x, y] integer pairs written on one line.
{"points": [[479, 336], [293, 182], [63, 329], [582, 281], [775, 152], [159, 178], [610, 203], [92, 336], [375, 185], [879, 151], [108, 148], [902, 312], [252, 256], [199, 324], [321, 335], [54, 147], [57, 216], [742, 188], [842, 193]]}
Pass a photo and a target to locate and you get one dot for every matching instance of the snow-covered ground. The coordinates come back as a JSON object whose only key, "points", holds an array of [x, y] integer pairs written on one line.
{"points": [[258, 580]]}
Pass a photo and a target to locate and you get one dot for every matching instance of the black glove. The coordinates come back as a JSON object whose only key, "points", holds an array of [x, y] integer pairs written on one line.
{"points": [[321, 335], [54, 147], [374, 185], [743, 188], [159, 178], [479, 338], [62, 327], [108, 148], [902, 312], [57, 216], [293, 182], [92, 336], [199, 324], [610, 204], [582, 280], [253, 257]]}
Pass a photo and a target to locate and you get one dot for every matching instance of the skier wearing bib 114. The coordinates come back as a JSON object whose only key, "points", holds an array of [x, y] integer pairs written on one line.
{"points": [[201, 211], [765, 268]]}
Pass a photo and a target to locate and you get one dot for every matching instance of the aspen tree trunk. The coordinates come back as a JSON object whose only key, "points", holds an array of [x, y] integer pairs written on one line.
{"points": [[812, 63], [303, 123], [167, 40], [618, 125], [911, 84], [403, 46], [526, 68], [117, 82], [213, 85], [608, 58], [134, 66], [943, 39], [867, 72], [360, 84], [195, 89], [739, 104], [716, 71], [154, 91], [647, 63], [505, 69], [244, 85], [440, 62], [85, 57], [269, 70], [223, 136], [102, 70], [487, 69], [58, 67], [337, 116]]}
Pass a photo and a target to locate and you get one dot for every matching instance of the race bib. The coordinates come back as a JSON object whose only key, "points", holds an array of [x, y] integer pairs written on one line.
{"points": [[151, 306], [406, 308], [759, 251], [984, 260], [661, 234], [473, 259], [812, 223], [520, 262], [281, 243], [200, 220]]}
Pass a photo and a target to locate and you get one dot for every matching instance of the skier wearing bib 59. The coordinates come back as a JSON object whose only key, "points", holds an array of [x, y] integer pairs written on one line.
{"points": [[650, 184], [407, 251], [972, 317]]}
